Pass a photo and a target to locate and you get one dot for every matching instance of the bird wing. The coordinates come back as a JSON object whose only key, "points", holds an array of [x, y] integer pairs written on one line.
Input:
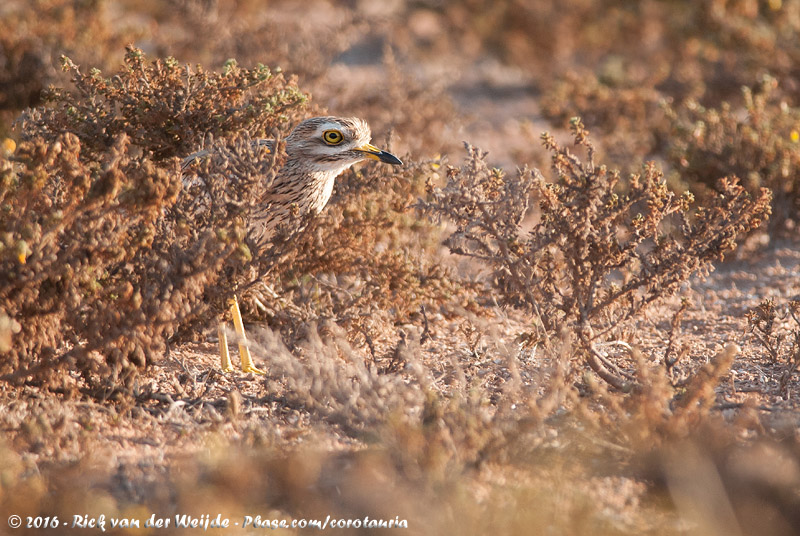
{"points": [[269, 144], [274, 207]]}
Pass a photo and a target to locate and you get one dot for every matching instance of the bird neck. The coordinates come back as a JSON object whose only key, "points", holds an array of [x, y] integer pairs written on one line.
{"points": [[315, 181]]}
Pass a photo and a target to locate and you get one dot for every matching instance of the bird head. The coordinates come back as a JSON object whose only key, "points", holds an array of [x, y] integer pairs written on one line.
{"points": [[334, 143]]}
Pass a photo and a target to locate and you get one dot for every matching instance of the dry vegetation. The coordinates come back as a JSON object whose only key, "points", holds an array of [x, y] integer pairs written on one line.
{"points": [[596, 258], [565, 348], [759, 145]]}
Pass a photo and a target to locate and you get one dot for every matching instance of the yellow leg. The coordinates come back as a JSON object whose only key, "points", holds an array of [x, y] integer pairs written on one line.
{"points": [[225, 357], [244, 351]]}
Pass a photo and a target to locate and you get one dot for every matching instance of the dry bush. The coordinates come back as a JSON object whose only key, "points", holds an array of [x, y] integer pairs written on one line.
{"points": [[612, 62], [777, 330], [335, 384], [102, 255], [252, 32], [164, 108], [35, 34], [596, 258], [627, 113], [69, 228], [709, 35], [164, 254], [541, 35], [760, 144], [705, 50]]}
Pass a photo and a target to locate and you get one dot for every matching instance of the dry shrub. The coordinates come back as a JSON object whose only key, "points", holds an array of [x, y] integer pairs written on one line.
{"points": [[164, 108], [252, 32], [102, 255], [625, 111], [612, 62], [777, 330], [165, 253], [596, 258], [705, 50], [760, 144], [69, 229], [541, 35], [334, 383], [35, 34]]}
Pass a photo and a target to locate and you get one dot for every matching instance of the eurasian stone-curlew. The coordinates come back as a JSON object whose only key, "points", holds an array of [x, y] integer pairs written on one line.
{"points": [[317, 151]]}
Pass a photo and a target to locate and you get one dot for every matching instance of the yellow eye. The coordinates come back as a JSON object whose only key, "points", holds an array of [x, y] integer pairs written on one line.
{"points": [[332, 137]]}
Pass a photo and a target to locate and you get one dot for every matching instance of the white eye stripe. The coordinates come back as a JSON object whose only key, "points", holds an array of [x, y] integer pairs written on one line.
{"points": [[329, 126]]}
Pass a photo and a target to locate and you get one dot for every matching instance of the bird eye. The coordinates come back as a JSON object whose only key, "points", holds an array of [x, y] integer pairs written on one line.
{"points": [[332, 137]]}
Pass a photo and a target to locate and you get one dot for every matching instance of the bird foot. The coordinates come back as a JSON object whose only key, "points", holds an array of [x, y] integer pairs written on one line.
{"points": [[254, 369]]}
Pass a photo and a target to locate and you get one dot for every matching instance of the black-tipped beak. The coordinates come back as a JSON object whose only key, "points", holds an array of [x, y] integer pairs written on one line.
{"points": [[372, 152], [389, 158]]}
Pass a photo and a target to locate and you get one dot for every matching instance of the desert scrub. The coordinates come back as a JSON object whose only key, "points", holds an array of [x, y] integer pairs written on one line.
{"points": [[777, 330], [626, 111], [760, 144], [165, 108], [611, 62], [34, 34], [704, 50], [105, 251], [595, 258]]}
